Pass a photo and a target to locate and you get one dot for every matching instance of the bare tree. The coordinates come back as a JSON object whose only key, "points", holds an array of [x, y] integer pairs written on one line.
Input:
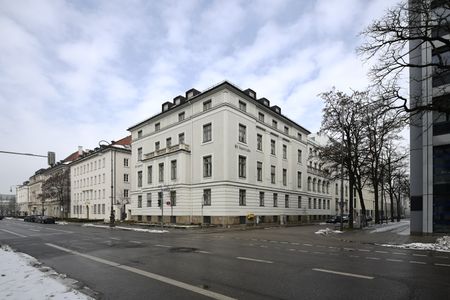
{"points": [[57, 186], [393, 41]]}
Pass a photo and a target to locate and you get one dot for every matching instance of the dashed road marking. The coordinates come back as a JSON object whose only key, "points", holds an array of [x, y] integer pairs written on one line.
{"points": [[17, 234], [154, 276], [373, 258], [202, 251], [255, 260], [317, 252], [302, 251], [363, 250], [309, 245], [398, 253], [414, 254], [163, 246], [417, 262], [291, 249], [379, 251], [136, 242], [440, 256], [116, 239], [263, 246], [284, 242], [273, 241], [343, 273], [442, 265], [295, 243], [394, 260]]}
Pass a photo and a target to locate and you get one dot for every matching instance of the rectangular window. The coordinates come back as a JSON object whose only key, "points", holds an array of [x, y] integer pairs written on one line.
{"points": [[125, 193], [259, 142], [274, 124], [173, 198], [242, 133], [320, 203], [103, 208], [139, 155], [286, 201], [272, 147], [161, 172], [181, 116], [299, 136], [206, 105], [156, 146], [168, 142], [272, 174], [139, 176], [207, 197], [299, 202], [149, 174], [284, 177], [242, 106], [261, 117], [181, 138], [207, 166], [261, 198], [149, 199], [160, 198], [284, 151], [139, 204], [309, 203], [315, 203], [299, 156], [139, 134], [157, 126], [242, 197], [242, 166], [125, 177], [299, 179], [207, 136], [259, 171], [328, 204], [286, 129], [173, 170], [275, 200], [125, 162]]}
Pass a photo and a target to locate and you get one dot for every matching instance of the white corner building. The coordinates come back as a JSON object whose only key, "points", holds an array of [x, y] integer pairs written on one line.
{"points": [[221, 156]]}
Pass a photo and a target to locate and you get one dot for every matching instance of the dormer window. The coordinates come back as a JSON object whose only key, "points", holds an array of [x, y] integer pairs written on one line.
{"points": [[242, 106]]}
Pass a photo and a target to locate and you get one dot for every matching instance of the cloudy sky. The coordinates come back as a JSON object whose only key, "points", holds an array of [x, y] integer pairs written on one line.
{"points": [[76, 72]]}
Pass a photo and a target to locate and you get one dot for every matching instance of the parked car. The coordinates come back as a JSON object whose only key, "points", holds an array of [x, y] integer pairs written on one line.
{"points": [[30, 218], [337, 219], [369, 219], [47, 220]]}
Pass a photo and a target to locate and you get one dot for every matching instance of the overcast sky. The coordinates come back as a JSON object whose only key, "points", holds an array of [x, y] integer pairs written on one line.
{"points": [[76, 72]]}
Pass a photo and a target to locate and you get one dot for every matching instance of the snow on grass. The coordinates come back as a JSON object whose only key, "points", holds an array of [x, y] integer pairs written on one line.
{"points": [[23, 277], [442, 244], [327, 231], [401, 227], [126, 228]]}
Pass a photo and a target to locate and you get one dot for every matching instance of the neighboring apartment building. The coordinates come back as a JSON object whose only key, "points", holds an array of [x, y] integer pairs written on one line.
{"points": [[8, 206], [430, 132], [100, 181], [221, 156], [22, 198]]}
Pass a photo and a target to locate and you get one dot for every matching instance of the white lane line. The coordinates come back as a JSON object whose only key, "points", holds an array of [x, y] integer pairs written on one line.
{"points": [[291, 249], [295, 244], [163, 246], [374, 258], [284, 242], [354, 255], [417, 262], [343, 273], [303, 251], [363, 250], [262, 246], [317, 252], [116, 239], [309, 245], [18, 234], [204, 252], [418, 254], [442, 265], [136, 242], [398, 253], [378, 251], [273, 241], [255, 260], [394, 260], [440, 256], [154, 276], [331, 247], [35, 230]]}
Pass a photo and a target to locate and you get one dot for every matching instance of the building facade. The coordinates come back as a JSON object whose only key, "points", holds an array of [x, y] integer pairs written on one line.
{"points": [[430, 131], [100, 182], [22, 197], [221, 156]]}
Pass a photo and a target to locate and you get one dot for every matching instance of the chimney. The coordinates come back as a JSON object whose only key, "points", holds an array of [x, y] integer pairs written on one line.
{"points": [[80, 150]]}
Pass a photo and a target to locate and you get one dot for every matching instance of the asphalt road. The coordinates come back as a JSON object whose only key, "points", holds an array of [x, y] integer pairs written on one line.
{"points": [[275, 263]]}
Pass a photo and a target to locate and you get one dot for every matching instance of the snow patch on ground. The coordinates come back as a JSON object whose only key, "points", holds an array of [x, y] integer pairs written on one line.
{"points": [[61, 223], [23, 277], [327, 231], [401, 227], [442, 244], [126, 228]]}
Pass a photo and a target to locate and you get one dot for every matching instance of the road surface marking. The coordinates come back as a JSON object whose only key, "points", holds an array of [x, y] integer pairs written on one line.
{"points": [[309, 245], [399, 253], [295, 243], [154, 276], [442, 265], [363, 250], [18, 234], [291, 249], [395, 260], [163, 246], [374, 258], [419, 254], [441, 256], [354, 255], [343, 273], [136, 242], [378, 251], [317, 252], [204, 252], [114, 238], [331, 247], [417, 262], [273, 241], [255, 260], [35, 230], [303, 251], [284, 242], [263, 246]]}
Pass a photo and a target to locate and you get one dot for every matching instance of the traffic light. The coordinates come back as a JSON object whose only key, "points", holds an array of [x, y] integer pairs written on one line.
{"points": [[51, 158]]}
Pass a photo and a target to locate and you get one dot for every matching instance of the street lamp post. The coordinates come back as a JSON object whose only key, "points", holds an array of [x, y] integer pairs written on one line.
{"points": [[111, 216]]}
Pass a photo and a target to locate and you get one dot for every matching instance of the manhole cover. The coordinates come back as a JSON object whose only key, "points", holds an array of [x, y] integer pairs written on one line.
{"points": [[182, 249]]}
